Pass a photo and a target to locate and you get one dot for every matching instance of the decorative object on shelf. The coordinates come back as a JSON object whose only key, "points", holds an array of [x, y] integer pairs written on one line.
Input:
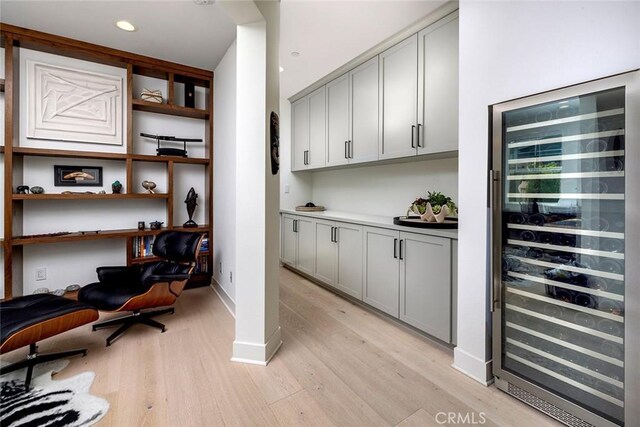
{"points": [[83, 232], [149, 186], [116, 187], [41, 291], [189, 95], [155, 225], [68, 176], [72, 288], [416, 222], [274, 129], [71, 104], [36, 189], [434, 208], [33, 236], [58, 292], [77, 192], [309, 207], [167, 151], [22, 189], [141, 225], [102, 192], [192, 202], [151, 95]]}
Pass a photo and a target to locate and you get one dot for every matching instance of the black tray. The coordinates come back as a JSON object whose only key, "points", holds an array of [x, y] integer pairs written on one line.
{"points": [[415, 221]]}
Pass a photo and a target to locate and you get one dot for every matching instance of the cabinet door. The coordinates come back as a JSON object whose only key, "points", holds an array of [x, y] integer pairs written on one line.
{"points": [[438, 86], [299, 133], [306, 245], [289, 241], [337, 121], [349, 259], [425, 284], [381, 269], [325, 268], [363, 94], [317, 129], [399, 99]]}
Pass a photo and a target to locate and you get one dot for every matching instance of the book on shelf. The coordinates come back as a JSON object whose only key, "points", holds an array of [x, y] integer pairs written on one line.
{"points": [[143, 246], [202, 265]]}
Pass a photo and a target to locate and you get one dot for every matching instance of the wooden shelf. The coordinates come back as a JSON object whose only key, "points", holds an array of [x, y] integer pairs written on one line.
{"points": [[89, 196], [143, 259], [176, 159], [41, 152], [170, 109], [106, 234]]}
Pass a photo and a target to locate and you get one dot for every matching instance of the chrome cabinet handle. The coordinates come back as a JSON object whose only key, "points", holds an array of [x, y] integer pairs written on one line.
{"points": [[418, 136], [413, 142], [395, 248], [350, 149], [401, 248], [346, 149], [295, 225], [335, 234], [494, 295]]}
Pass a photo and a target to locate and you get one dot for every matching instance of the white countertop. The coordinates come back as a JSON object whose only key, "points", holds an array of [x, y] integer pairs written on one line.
{"points": [[373, 221]]}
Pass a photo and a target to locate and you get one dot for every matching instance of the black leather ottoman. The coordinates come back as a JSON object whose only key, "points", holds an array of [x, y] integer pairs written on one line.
{"points": [[29, 319]]}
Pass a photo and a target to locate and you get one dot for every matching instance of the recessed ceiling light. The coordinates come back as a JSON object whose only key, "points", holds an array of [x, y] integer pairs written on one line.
{"points": [[281, 68], [125, 26], [294, 53]]}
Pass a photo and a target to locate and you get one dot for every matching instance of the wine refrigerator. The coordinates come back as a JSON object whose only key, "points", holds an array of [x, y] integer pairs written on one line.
{"points": [[564, 188]]}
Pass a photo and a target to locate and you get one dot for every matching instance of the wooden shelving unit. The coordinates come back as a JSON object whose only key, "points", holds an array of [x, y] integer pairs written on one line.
{"points": [[13, 39]]}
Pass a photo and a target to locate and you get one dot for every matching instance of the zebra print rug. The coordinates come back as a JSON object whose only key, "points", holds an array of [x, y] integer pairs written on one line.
{"points": [[49, 403]]}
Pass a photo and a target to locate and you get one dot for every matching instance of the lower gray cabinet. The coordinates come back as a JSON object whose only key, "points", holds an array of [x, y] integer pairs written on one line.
{"points": [[381, 269], [339, 256], [298, 243], [425, 283]]}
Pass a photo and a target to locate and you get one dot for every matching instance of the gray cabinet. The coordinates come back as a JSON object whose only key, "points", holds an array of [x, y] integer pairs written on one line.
{"points": [[363, 110], [298, 242], [299, 133], [338, 121], [399, 99], [309, 131], [425, 283], [438, 86], [339, 256], [381, 269]]}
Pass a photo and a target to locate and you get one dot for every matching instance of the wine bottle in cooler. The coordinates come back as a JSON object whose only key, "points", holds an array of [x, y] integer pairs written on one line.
{"points": [[613, 245], [611, 266], [584, 319]]}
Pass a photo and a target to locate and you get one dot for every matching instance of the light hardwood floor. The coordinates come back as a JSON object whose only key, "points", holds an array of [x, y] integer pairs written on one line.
{"points": [[339, 365]]}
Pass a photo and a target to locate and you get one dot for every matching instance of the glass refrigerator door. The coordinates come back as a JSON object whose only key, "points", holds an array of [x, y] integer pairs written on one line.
{"points": [[563, 240]]}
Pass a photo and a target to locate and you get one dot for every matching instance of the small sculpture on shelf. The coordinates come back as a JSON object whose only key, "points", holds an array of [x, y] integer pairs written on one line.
{"points": [[434, 208], [116, 187], [149, 186], [37, 190], [151, 95], [22, 189], [155, 225], [192, 202]]}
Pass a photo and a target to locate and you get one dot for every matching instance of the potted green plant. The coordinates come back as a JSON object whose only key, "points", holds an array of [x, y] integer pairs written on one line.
{"points": [[435, 207]]}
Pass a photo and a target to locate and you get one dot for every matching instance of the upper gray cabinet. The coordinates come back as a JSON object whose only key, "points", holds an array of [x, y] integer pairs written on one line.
{"points": [[352, 116], [438, 87], [309, 131], [399, 99], [400, 103]]}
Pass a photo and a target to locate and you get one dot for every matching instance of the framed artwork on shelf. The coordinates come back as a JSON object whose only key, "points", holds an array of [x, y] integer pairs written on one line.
{"points": [[76, 176], [70, 104]]}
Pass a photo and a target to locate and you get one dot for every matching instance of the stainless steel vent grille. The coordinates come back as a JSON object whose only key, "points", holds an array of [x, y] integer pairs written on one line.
{"points": [[546, 407]]}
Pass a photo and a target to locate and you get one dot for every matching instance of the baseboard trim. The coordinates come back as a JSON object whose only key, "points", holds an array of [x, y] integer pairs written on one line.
{"points": [[472, 366], [257, 354], [224, 296]]}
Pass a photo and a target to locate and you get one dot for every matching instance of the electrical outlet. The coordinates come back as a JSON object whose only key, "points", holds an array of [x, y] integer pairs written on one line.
{"points": [[286, 189], [231, 276], [41, 273], [220, 267]]}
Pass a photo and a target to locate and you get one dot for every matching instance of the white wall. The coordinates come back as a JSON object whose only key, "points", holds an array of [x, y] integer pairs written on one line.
{"points": [[509, 50], [224, 181], [384, 190]]}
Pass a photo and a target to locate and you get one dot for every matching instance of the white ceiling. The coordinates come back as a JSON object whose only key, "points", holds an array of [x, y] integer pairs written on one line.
{"points": [[176, 30], [327, 33]]}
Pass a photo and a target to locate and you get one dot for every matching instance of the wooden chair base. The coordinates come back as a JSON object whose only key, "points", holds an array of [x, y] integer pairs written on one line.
{"points": [[34, 359], [135, 318]]}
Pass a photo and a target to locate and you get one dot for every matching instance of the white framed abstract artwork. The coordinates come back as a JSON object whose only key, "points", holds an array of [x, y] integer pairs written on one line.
{"points": [[67, 104]]}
